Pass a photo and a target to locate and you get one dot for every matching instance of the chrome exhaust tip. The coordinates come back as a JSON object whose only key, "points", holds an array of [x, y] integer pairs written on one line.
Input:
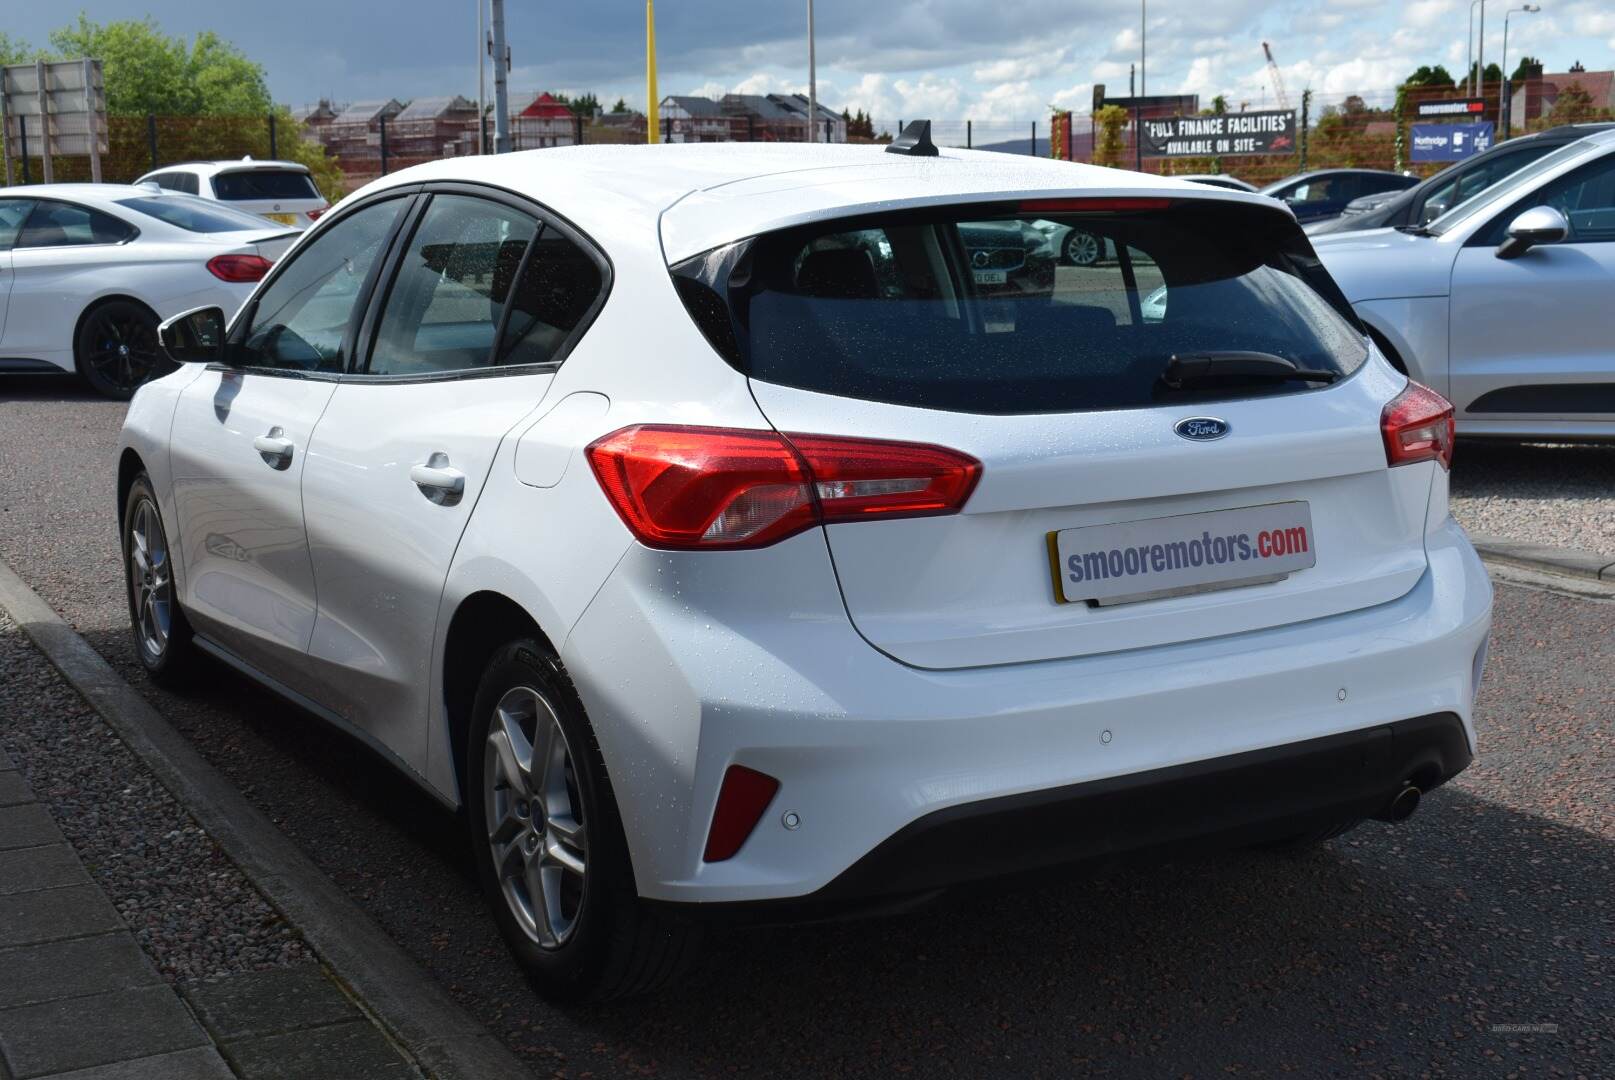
{"points": [[1402, 806]]}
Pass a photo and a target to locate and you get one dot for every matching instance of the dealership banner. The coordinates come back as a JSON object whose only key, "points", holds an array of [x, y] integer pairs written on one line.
{"points": [[1450, 142], [1271, 132], [1450, 109]]}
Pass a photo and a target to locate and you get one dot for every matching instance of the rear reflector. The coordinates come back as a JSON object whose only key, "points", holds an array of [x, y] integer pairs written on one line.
{"points": [[1097, 205], [239, 268], [742, 798], [1418, 426], [703, 487]]}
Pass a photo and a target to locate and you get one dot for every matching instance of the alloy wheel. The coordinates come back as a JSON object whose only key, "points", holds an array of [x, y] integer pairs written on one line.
{"points": [[1081, 248], [536, 832], [151, 581], [122, 349]]}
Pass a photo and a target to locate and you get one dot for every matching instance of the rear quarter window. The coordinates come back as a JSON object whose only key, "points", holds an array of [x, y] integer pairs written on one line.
{"points": [[1003, 311], [197, 215]]}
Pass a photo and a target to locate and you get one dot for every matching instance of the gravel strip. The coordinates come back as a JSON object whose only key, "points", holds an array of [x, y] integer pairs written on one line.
{"points": [[189, 907], [1559, 495]]}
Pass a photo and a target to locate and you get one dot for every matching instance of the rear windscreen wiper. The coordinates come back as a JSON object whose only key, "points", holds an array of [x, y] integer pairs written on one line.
{"points": [[1187, 369]]}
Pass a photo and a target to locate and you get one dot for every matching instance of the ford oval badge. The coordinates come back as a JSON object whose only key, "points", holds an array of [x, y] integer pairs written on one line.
{"points": [[1201, 428]]}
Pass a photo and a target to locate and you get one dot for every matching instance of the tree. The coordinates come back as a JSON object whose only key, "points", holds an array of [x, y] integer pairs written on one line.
{"points": [[1219, 105], [1528, 67], [13, 51], [585, 105], [1430, 76], [1110, 119], [620, 107], [1492, 74], [148, 72], [1574, 105]]}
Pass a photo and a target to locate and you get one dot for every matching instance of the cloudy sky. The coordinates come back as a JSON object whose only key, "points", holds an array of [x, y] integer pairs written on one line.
{"points": [[944, 59]]}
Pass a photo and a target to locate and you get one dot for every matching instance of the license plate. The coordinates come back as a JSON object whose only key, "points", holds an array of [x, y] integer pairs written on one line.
{"points": [[991, 277], [284, 219], [1188, 553]]}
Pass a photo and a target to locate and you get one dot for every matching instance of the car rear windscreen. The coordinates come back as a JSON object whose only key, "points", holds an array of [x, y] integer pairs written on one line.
{"points": [[1034, 308], [196, 215], [249, 185]]}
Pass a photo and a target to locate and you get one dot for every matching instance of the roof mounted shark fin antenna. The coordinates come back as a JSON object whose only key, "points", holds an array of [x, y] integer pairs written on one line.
{"points": [[915, 141]]}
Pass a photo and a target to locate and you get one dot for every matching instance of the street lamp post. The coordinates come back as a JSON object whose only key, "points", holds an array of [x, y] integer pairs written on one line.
{"points": [[1138, 112], [813, 83], [1469, 50], [1480, 54], [1502, 89]]}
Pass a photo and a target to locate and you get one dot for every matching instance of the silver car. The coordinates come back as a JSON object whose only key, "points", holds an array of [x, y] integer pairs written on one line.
{"points": [[1505, 304]]}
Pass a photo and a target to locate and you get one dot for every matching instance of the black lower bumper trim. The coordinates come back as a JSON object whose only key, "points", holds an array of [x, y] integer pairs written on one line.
{"points": [[1222, 802]]}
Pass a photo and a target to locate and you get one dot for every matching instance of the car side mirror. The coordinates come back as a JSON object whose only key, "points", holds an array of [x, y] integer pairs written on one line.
{"points": [[1432, 210], [194, 337], [1538, 225]]}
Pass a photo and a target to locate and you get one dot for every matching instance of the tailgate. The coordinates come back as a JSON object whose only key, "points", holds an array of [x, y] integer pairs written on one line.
{"points": [[1194, 418], [979, 587]]}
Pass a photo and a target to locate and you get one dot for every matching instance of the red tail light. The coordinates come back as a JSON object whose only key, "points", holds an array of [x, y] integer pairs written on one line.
{"points": [[702, 487], [742, 798], [239, 269], [1077, 206], [314, 215], [1418, 426]]}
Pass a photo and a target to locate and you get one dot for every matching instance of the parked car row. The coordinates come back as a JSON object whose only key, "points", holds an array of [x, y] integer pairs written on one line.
{"points": [[88, 271]]}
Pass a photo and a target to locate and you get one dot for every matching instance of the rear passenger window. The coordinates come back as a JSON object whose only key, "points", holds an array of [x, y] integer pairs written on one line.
{"points": [[557, 290], [447, 301], [56, 224]]}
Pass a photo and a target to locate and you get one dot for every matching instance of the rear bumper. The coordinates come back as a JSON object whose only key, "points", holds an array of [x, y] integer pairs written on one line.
{"points": [[1250, 798], [898, 777], [1240, 799]]}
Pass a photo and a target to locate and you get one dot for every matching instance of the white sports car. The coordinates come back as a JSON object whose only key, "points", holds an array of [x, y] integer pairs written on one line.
{"points": [[705, 523], [87, 271]]}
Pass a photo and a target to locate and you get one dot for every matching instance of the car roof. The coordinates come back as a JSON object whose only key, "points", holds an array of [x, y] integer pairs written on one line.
{"points": [[78, 192], [702, 195], [213, 168]]}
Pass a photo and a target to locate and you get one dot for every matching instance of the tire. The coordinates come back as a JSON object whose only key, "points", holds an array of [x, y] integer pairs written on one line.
{"points": [[162, 634], [556, 831], [1082, 248], [116, 349]]}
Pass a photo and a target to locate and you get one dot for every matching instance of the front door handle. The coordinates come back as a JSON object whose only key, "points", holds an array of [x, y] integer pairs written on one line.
{"points": [[438, 481], [275, 448]]}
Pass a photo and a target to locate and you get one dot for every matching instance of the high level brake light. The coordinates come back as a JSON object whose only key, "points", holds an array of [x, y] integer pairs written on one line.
{"points": [[1096, 204], [1418, 426], [706, 487]]}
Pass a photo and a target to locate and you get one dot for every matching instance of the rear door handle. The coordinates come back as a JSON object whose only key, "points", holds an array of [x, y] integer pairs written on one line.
{"points": [[275, 448], [438, 481]]}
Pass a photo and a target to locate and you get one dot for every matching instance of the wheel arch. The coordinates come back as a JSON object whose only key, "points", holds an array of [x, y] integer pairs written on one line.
{"points": [[482, 623], [130, 465], [101, 302]]}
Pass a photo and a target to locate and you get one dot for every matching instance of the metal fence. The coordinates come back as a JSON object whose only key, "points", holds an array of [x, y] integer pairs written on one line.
{"points": [[1338, 129]]}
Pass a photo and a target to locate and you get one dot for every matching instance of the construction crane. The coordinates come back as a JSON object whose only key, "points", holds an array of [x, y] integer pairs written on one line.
{"points": [[1278, 80]]}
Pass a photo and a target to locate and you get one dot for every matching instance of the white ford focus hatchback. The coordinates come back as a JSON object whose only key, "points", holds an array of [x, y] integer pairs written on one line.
{"points": [[746, 528]]}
